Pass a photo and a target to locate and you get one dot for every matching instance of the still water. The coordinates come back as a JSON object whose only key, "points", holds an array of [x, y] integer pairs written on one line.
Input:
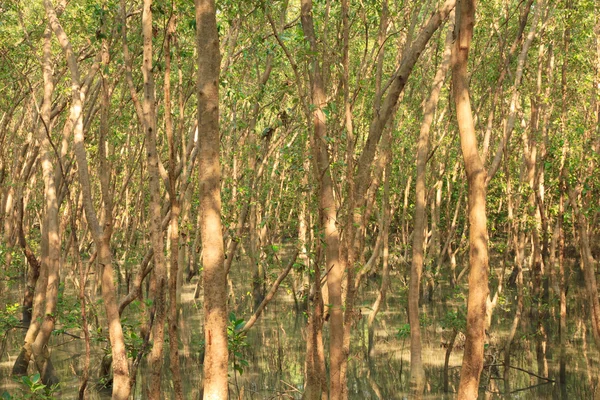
{"points": [[273, 359]]}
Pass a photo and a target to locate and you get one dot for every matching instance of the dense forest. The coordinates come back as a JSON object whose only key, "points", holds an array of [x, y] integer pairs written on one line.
{"points": [[299, 199]]}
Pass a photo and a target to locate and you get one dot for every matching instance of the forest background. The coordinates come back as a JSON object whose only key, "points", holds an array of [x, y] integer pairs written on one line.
{"points": [[171, 172]]}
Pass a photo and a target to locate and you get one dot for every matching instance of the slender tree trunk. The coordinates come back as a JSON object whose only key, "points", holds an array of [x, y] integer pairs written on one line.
{"points": [[214, 274], [82, 301], [174, 223], [562, 331], [563, 279], [121, 387], [36, 340], [476, 176], [33, 272], [328, 210], [385, 275], [52, 261], [417, 373], [37, 279], [22, 362], [160, 275], [447, 358], [316, 382]]}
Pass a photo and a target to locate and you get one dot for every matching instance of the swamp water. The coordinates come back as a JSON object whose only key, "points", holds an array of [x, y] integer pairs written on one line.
{"points": [[273, 359]]}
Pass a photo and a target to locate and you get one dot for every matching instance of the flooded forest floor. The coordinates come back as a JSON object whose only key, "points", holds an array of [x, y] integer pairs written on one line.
{"points": [[269, 362]]}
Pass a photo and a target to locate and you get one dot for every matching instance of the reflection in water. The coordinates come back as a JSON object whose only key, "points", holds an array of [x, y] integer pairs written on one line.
{"points": [[272, 365]]}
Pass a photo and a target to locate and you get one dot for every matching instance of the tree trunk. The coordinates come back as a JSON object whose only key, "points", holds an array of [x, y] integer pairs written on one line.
{"points": [[315, 388], [149, 109], [327, 210], [37, 284], [385, 274], [214, 274], [417, 373], [50, 261], [476, 176], [121, 387], [174, 274]]}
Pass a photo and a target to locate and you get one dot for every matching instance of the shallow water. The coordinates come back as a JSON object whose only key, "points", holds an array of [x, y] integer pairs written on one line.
{"points": [[276, 347]]}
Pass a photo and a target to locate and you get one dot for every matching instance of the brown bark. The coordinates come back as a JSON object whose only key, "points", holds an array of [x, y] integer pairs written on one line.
{"points": [[160, 276], [82, 301], [327, 209], [32, 273], [563, 278], [417, 373], [476, 176], [347, 251], [214, 274], [174, 224], [121, 387], [316, 381], [51, 262], [38, 334], [447, 358], [562, 331]]}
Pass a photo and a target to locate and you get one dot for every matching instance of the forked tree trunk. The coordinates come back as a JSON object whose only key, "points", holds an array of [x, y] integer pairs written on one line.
{"points": [[22, 361], [478, 236], [121, 386], [51, 261], [214, 274]]}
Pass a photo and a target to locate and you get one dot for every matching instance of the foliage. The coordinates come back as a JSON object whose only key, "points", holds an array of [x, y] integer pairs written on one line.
{"points": [[455, 319], [236, 343], [403, 331], [8, 318], [556, 114], [68, 310], [33, 389]]}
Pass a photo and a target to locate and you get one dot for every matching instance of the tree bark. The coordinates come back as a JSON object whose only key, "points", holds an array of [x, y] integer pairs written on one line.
{"points": [[214, 274], [417, 373], [38, 334], [174, 224], [121, 386], [476, 176], [327, 209], [149, 111]]}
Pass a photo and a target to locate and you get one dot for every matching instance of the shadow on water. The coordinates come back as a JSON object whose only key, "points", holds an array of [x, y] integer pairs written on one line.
{"points": [[271, 365]]}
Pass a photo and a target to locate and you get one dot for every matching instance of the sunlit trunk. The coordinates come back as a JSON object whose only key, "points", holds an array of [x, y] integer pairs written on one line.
{"points": [[476, 176], [101, 237], [214, 274], [334, 267], [39, 292]]}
